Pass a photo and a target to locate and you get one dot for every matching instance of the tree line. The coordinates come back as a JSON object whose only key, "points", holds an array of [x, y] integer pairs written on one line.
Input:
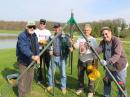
{"points": [[118, 26]]}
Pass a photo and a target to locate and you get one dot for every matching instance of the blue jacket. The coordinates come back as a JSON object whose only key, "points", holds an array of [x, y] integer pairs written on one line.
{"points": [[27, 45]]}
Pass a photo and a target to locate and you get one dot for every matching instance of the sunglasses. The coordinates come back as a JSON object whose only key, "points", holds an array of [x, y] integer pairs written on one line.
{"points": [[30, 27], [42, 23]]}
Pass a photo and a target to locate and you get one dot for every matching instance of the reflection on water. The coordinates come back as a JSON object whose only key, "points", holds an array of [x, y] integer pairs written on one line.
{"points": [[7, 43], [7, 34]]}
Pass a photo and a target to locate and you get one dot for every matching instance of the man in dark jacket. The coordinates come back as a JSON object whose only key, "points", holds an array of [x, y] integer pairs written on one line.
{"points": [[60, 50], [27, 50], [114, 59]]}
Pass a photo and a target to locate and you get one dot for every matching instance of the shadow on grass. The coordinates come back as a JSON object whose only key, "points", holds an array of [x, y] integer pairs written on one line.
{"points": [[42, 75], [99, 95], [72, 85], [15, 65], [8, 71]]}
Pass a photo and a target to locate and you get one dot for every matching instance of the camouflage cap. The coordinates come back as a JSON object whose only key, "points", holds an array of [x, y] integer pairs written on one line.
{"points": [[30, 23]]}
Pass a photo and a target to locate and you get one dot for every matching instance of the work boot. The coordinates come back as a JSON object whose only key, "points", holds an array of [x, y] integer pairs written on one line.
{"points": [[49, 88], [79, 91], [90, 95], [57, 82], [64, 91]]}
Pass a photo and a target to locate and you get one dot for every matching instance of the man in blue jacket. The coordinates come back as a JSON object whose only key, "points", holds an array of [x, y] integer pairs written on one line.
{"points": [[27, 50]]}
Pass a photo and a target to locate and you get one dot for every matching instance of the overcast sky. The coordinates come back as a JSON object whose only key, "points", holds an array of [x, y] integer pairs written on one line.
{"points": [[59, 10]]}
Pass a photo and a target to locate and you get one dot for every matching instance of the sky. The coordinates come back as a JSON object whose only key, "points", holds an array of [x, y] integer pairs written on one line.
{"points": [[59, 10]]}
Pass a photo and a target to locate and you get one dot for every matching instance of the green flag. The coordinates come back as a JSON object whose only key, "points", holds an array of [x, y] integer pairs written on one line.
{"points": [[71, 21]]}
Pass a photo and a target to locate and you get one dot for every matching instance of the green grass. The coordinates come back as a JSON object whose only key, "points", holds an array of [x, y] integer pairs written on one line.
{"points": [[126, 38], [10, 31], [8, 65]]}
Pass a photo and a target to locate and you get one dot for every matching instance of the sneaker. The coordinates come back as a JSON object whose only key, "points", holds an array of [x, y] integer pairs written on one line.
{"points": [[64, 91], [78, 92], [49, 88], [90, 95], [39, 82]]}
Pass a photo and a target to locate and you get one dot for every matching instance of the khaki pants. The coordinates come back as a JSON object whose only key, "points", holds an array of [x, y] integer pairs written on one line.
{"points": [[25, 82]]}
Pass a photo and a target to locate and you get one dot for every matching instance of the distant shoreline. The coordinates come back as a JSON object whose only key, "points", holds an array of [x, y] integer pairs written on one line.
{"points": [[8, 35]]}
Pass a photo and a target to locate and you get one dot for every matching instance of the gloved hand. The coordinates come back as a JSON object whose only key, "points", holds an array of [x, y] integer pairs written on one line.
{"points": [[71, 40], [71, 49], [51, 53], [104, 63], [43, 42]]}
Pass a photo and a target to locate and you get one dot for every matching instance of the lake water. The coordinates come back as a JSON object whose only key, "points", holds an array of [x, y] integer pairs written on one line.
{"points": [[7, 34], [8, 41]]}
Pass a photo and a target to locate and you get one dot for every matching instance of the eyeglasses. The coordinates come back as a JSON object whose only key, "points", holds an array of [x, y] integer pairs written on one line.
{"points": [[104, 34], [86, 30], [30, 27]]}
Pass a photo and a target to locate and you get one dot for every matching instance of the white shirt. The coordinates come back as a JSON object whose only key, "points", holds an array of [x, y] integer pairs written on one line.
{"points": [[83, 51], [81, 44], [42, 34]]}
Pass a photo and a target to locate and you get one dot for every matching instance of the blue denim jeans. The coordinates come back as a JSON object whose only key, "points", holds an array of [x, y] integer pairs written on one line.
{"points": [[120, 77], [61, 63]]}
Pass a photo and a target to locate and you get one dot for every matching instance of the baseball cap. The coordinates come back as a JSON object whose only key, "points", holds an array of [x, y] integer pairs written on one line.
{"points": [[87, 25], [30, 23], [105, 28], [42, 21], [56, 25]]}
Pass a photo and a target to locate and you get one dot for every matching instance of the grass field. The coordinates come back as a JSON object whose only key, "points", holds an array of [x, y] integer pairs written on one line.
{"points": [[10, 31], [8, 65]]}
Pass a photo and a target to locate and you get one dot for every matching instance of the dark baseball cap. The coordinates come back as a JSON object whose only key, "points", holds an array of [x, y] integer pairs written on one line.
{"points": [[56, 25], [42, 21]]}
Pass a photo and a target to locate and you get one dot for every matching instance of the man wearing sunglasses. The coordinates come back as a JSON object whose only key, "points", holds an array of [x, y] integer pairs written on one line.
{"points": [[114, 59], [27, 50], [43, 35]]}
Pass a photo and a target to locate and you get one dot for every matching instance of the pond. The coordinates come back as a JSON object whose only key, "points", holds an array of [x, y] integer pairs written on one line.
{"points": [[8, 41]]}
